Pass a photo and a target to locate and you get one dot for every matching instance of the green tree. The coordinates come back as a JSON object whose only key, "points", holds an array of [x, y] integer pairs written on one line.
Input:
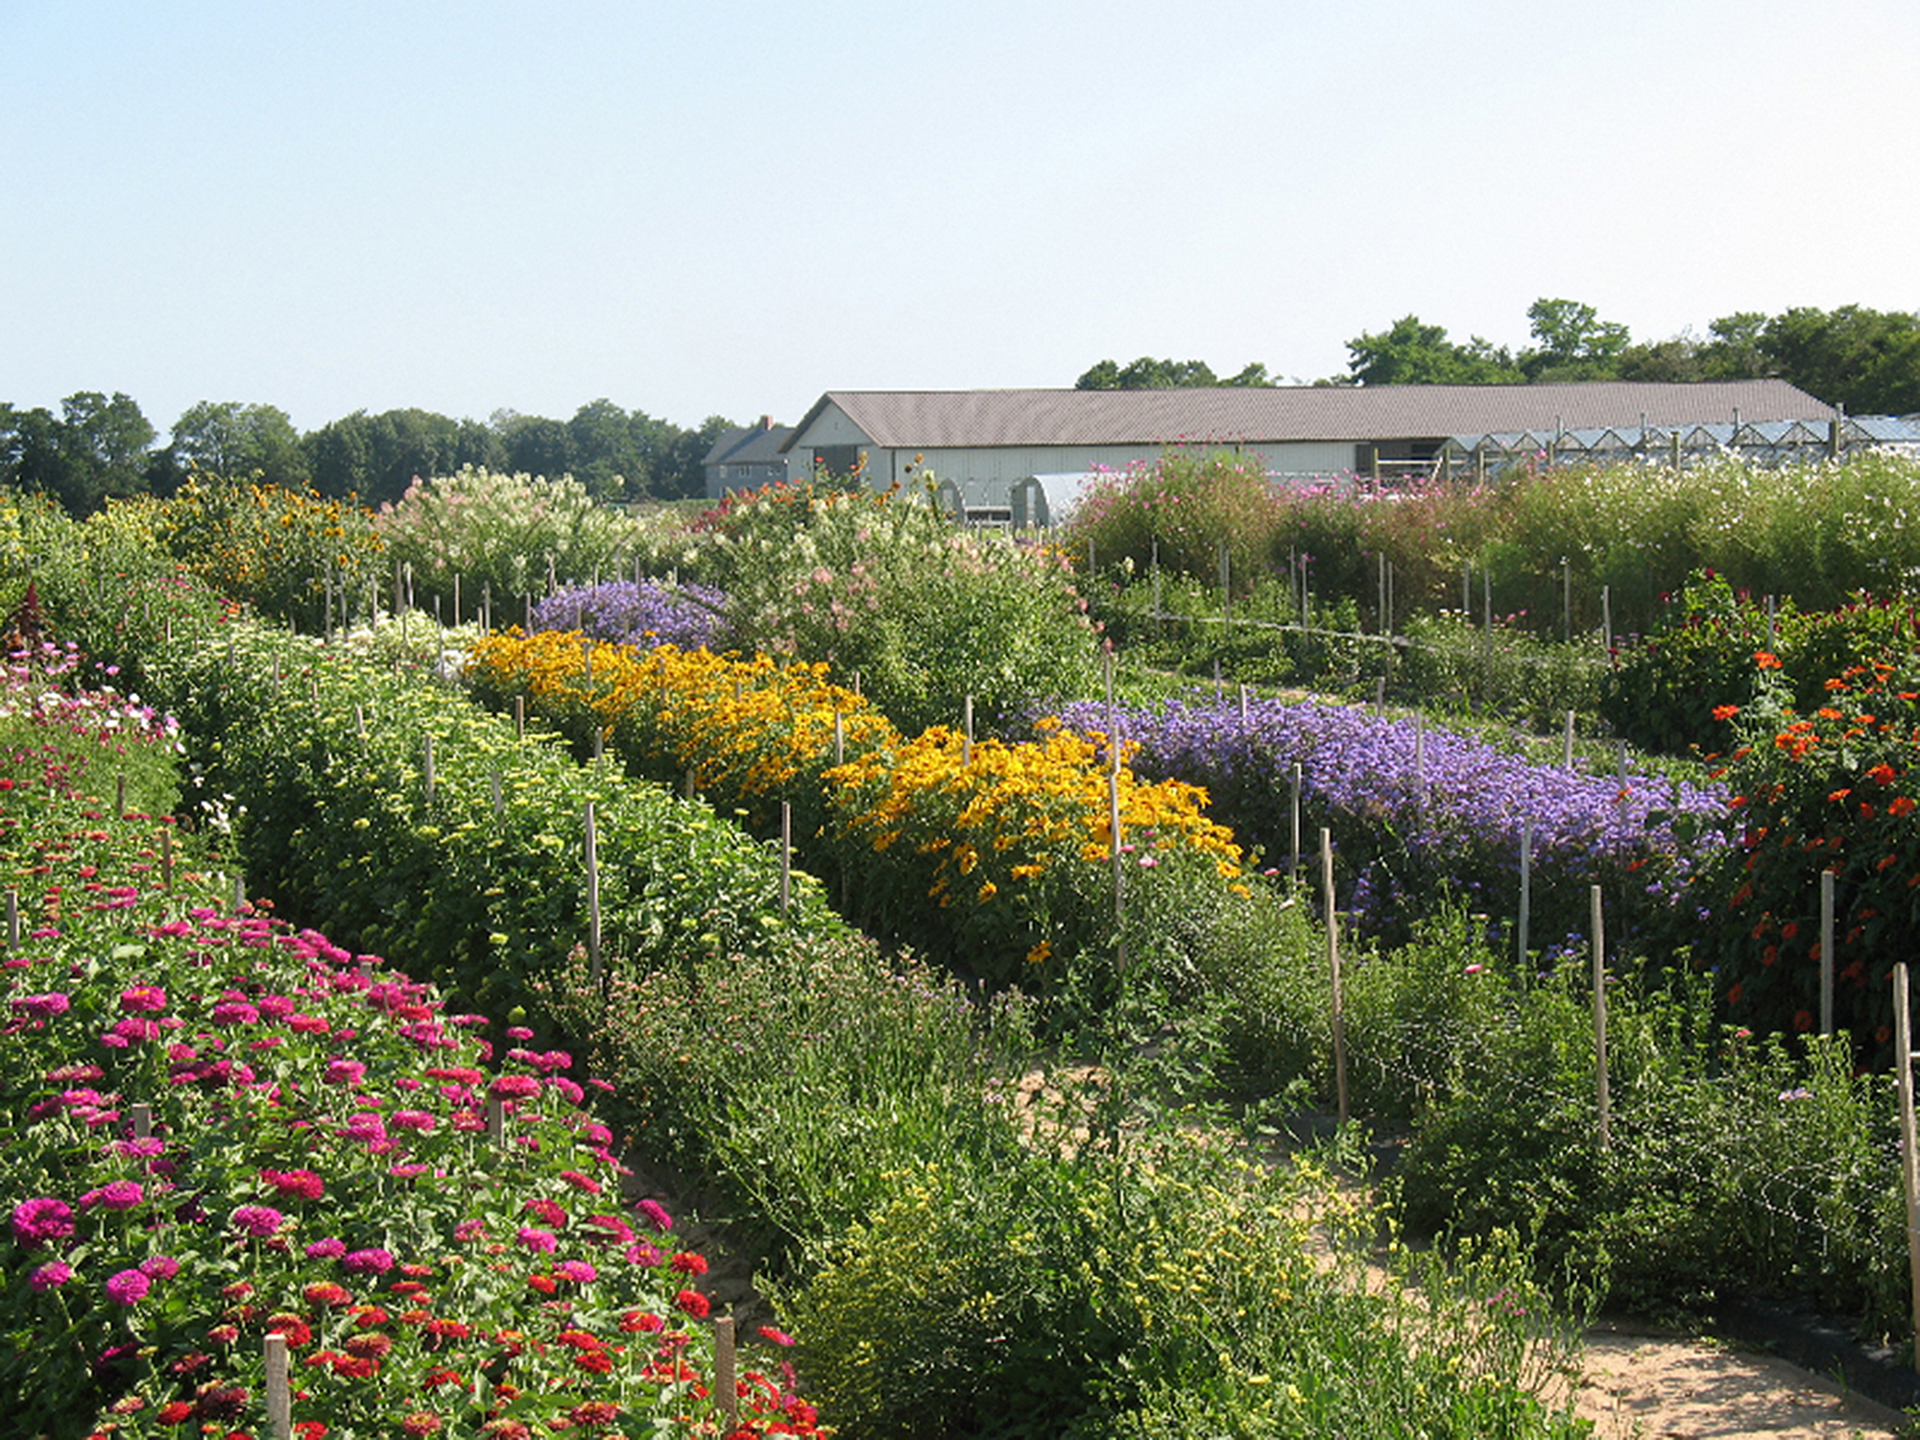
{"points": [[1867, 360], [1147, 373], [1734, 352], [1412, 352], [1575, 343], [94, 450], [233, 441], [376, 457]]}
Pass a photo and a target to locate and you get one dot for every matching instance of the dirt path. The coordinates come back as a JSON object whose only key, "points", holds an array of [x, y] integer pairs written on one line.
{"points": [[1642, 1385]]}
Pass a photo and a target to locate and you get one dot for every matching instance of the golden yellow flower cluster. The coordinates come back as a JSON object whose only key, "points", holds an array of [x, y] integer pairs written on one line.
{"points": [[969, 824]]}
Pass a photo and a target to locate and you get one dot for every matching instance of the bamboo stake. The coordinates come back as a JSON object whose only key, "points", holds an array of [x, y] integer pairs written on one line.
{"points": [[725, 1385]]}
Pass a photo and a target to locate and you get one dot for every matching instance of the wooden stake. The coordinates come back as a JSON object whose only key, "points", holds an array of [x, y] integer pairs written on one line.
{"points": [[1293, 871], [786, 856], [1119, 880], [279, 1394], [725, 1385], [1826, 952], [1330, 918], [593, 897], [166, 858], [1526, 887], [1600, 1015], [141, 1115], [1909, 1138]]}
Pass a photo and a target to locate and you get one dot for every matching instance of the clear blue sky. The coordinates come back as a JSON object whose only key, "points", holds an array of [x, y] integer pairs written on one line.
{"points": [[727, 206]]}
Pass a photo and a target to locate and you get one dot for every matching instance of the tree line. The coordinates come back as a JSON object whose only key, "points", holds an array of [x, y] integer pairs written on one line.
{"points": [[1865, 360], [98, 447]]}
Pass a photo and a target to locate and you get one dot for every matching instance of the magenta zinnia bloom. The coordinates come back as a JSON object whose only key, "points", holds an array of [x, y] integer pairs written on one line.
{"points": [[578, 1271], [54, 1272], [303, 1183], [118, 1195], [143, 997], [42, 1007], [534, 1238], [369, 1262], [35, 1222], [345, 1072], [128, 1287], [259, 1221], [160, 1267], [414, 1120], [330, 1248], [655, 1215]]}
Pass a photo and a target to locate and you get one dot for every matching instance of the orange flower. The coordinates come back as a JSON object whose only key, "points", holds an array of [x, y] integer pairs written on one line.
{"points": [[1725, 712], [1881, 774], [1900, 805], [1766, 660]]}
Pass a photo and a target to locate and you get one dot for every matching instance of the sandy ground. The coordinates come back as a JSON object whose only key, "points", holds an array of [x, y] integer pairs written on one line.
{"points": [[1645, 1386]]}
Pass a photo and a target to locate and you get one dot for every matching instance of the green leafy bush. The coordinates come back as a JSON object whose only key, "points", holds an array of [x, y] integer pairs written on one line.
{"points": [[503, 535], [1179, 512], [1834, 789], [888, 589]]}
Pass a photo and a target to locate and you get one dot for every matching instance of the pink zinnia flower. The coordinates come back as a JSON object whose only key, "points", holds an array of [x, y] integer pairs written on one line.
{"points": [[369, 1262], [541, 1241], [655, 1214], [116, 1195], [35, 1222], [128, 1287], [143, 997], [41, 1007], [259, 1221], [414, 1120], [160, 1267], [303, 1183], [578, 1271], [49, 1275]]}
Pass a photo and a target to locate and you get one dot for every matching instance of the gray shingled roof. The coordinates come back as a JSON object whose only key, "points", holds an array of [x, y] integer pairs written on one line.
{"points": [[748, 445], [952, 419]]}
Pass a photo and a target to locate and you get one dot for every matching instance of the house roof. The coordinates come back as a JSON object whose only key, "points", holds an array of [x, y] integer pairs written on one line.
{"points": [[760, 444], [956, 419]]}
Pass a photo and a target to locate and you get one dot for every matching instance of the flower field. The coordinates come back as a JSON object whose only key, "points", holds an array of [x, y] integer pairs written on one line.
{"points": [[988, 1154], [228, 1130]]}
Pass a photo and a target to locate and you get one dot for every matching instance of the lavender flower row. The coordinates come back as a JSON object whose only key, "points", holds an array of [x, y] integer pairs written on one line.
{"points": [[1417, 815], [644, 613]]}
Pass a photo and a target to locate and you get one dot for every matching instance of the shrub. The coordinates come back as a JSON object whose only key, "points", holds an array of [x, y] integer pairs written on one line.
{"points": [[293, 555], [1178, 512], [507, 535], [1834, 789], [884, 589]]}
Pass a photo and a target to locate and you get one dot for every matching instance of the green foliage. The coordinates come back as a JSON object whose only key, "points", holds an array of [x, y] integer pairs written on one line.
{"points": [[805, 1079], [506, 535], [1412, 353], [1450, 662], [287, 554], [481, 896], [1835, 789], [888, 589], [1158, 1285], [1177, 513]]}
